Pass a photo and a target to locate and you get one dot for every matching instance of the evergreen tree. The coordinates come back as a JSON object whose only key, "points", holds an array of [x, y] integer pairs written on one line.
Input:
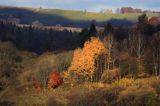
{"points": [[92, 30], [83, 36]]}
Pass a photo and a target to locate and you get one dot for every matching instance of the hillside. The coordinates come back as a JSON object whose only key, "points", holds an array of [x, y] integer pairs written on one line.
{"points": [[97, 66], [99, 17], [71, 18]]}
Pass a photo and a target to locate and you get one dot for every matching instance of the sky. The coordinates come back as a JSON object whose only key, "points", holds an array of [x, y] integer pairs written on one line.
{"points": [[89, 5]]}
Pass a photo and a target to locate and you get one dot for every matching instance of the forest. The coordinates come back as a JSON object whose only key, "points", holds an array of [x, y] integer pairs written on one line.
{"points": [[109, 66]]}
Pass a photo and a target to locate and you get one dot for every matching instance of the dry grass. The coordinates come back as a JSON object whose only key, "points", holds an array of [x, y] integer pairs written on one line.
{"points": [[124, 92]]}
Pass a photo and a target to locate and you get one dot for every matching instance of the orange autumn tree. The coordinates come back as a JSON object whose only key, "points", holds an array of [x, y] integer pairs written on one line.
{"points": [[84, 63]]}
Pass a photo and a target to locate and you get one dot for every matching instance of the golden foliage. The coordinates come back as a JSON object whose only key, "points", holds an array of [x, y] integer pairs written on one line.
{"points": [[83, 64], [98, 85], [125, 82]]}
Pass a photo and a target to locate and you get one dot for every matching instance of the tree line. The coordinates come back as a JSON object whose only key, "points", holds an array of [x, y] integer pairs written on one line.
{"points": [[135, 50], [38, 40], [129, 52]]}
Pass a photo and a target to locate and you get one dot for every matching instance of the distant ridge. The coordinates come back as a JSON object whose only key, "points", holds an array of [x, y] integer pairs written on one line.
{"points": [[67, 18]]}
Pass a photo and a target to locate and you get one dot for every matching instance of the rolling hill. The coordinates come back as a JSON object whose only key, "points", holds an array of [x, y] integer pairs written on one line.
{"points": [[72, 18]]}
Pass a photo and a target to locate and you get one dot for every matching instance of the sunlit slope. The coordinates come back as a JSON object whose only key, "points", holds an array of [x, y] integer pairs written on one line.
{"points": [[70, 18], [82, 16]]}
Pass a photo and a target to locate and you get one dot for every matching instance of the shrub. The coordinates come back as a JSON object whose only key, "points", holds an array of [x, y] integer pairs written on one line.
{"points": [[36, 84], [125, 82], [7, 103], [151, 100], [63, 60], [54, 79], [42, 73], [111, 95], [91, 98], [95, 97], [135, 96], [96, 85], [111, 75], [53, 102], [3, 83], [129, 67], [156, 86], [8, 65]]}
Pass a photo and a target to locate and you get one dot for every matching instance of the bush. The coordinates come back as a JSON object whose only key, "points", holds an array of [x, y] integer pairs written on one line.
{"points": [[129, 67], [53, 102], [42, 73], [111, 95], [111, 76], [54, 79], [95, 97], [135, 96], [156, 86], [125, 82], [47, 79], [91, 98], [6, 103], [63, 60], [36, 84], [96, 85], [8, 65]]}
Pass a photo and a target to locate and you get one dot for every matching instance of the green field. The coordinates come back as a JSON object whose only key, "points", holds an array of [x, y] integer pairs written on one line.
{"points": [[71, 18], [81, 16]]}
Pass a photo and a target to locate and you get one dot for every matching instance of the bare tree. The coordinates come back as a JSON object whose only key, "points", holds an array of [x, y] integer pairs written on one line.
{"points": [[140, 44], [43, 73], [155, 47]]}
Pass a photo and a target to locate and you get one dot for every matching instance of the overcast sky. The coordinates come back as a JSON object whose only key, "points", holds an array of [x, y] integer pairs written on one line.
{"points": [[90, 5]]}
